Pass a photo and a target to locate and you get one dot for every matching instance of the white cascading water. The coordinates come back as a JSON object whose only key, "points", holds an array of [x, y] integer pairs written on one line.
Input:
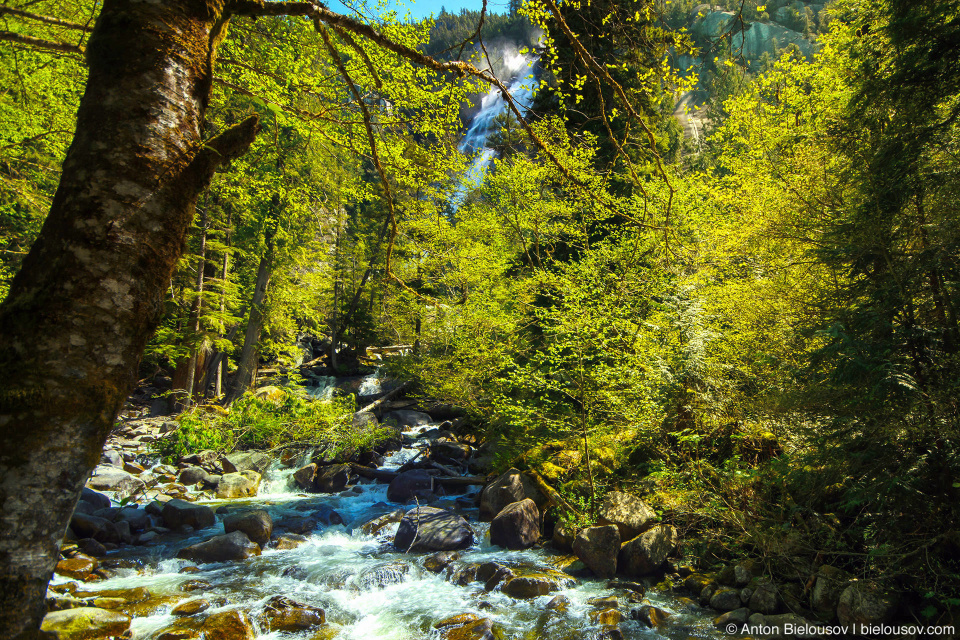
{"points": [[521, 86]]}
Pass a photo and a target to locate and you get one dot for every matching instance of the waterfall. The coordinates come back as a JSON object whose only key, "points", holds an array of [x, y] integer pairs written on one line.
{"points": [[521, 86]]}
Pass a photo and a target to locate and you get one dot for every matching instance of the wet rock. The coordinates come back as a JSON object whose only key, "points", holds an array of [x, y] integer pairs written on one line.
{"points": [[332, 478], [304, 476], [650, 616], [382, 575], [865, 603], [479, 629], [558, 603], [598, 548], [91, 547], [288, 541], [283, 614], [138, 519], [246, 461], [563, 537], [123, 484], [830, 583], [111, 457], [256, 524], [375, 525], [78, 567], [725, 599], [432, 529], [409, 485], [231, 546], [94, 498], [191, 607], [451, 451], [647, 552], [296, 524], [736, 617], [462, 574], [511, 486], [517, 526], [327, 516], [88, 526], [529, 586], [176, 513], [630, 514], [636, 587], [765, 599], [191, 475], [238, 485], [85, 623], [492, 574], [195, 585], [407, 418], [606, 617], [456, 621], [696, 582], [228, 625], [440, 561]]}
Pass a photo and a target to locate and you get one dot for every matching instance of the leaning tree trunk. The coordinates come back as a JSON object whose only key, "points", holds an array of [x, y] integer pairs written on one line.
{"points": [[89, 294], [247, 364]]}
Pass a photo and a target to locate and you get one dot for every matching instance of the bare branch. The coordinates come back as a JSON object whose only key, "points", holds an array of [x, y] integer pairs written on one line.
{"points": [[39, 43]]}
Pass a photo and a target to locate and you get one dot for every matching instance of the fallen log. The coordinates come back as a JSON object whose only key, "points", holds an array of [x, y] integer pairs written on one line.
{"points": [[386, 396]]}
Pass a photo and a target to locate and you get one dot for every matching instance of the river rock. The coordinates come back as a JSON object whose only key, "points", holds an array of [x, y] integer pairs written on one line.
{"points": [[138, 519], [191, 475], [176, 513], [432, 529], [736, 617], [407, 418], [517, 526], [256, 524], [94, 498], [725, 599], [79, 567], [327, 516], [88, 526], [283, 614], [123, 484], [296, 524], [825, 595], [647, 552], [190, 607], [598, 548], [111, 457], [228, 625], [288, 541], [231, 546], [469, 628], [91, 547], [630, 514], [650, 616], [332, 478], [440, 560], [304, 476], [246, 461], [563, 537], [382, 575], [238, 485], [511, 486], [451, 451], [409, 485], [85, 623], [375, 525], [865, 603], [765, 599], [530, 586]]}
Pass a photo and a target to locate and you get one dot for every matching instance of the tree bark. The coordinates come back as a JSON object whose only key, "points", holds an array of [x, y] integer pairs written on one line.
{"points": [[89, 294], [247, 365]]}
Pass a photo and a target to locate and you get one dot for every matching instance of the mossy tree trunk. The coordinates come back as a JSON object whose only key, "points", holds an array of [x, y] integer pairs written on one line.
{"points": [[89, 293]]}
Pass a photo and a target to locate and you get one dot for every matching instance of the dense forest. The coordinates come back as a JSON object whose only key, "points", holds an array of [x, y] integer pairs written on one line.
{"points": [[713, 262]]}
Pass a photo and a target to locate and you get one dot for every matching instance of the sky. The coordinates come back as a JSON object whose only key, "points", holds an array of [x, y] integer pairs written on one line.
{"points": [[423, 8]]}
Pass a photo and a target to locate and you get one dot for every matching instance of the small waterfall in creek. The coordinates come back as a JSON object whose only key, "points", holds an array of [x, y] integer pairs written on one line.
{"points": [[521, 86]]}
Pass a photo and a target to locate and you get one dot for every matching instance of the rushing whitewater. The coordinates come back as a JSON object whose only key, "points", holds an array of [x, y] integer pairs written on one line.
{"points": [[521, 85]]}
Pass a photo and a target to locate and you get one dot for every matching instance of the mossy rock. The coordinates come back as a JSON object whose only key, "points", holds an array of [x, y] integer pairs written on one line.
{"points": [[85, 623]]}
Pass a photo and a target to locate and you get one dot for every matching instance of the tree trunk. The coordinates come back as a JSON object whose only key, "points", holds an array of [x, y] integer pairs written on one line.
{"points": [[247, 365], [193, 326], [89, 294]]}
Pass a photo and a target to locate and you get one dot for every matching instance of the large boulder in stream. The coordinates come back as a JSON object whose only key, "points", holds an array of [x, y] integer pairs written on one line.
{"points": [[238, 485], [511, 486], [408, 418], [257, 524], [85, 623], [409, 485], [232, 546], [598, 548], [246, 461], [432, 529], [332, 478], [517, 526], [123, 484], [630, 514], [178, 512], [304, 476], [647, 552]]}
